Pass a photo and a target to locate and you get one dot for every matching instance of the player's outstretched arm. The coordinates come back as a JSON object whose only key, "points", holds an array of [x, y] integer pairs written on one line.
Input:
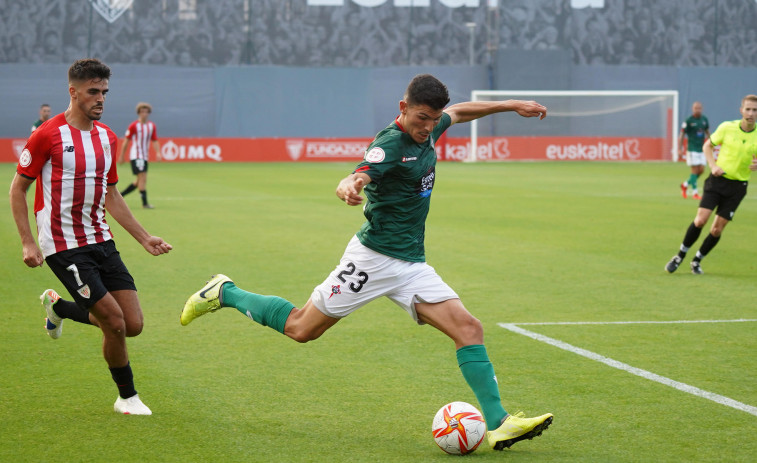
{"points": [[119, 210], [32, 254], [466, 112], [350, 187]]}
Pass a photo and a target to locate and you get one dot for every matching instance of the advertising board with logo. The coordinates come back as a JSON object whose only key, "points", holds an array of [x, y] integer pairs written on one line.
{"points": [[353, 149]]}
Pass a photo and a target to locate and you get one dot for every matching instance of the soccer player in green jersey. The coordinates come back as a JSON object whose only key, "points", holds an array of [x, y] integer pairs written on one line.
{"points": [[726, 186], [387, 258], [44, 114], [696, 129]]}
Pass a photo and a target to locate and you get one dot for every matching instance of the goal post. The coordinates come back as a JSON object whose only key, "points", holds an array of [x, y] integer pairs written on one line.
{"points": [[622, 125]]}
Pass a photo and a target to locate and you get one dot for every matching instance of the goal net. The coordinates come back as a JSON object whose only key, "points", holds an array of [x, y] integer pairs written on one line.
{"points": [[580, 126]]}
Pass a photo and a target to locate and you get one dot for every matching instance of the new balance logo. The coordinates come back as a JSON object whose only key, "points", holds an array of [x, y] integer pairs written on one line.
{"points": [[68, 149]]}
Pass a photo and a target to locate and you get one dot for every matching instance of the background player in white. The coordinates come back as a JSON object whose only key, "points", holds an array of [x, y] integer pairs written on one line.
{"points": [[71, 158], [140, 135]]}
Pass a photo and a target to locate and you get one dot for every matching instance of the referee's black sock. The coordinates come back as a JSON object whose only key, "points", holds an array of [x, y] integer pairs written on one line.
{"points": [[692, 234], [707, 246], [129, 189], [143, 194], [124, 379], [72, 311]]}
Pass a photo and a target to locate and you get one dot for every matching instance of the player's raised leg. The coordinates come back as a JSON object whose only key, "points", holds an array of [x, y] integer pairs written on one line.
{"points": [[451, 318], [302, 325], [220, 291], [59, 309]]}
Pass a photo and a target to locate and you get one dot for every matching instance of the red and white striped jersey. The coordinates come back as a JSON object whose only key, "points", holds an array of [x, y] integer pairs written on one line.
{"points": [[73, 169], [141, 135]]}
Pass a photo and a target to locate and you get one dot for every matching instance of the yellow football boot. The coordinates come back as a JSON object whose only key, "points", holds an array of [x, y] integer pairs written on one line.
{"points": [[517, 428], [205, 300]]}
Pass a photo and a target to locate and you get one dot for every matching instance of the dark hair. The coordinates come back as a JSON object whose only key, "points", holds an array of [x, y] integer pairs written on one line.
{"points": [[87, 69], [44, 105], [427, 90]]}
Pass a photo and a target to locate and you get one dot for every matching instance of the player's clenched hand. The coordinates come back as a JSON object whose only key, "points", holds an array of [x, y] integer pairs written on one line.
{"points": [[716, 170], [753, 165], [33, 256], [349, 190], [156, 246], [531, 109]]}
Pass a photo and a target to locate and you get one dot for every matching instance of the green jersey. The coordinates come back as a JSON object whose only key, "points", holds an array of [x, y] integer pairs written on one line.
{"points": [[36, 125], [402, 176], [695, 129], [737, 149]]}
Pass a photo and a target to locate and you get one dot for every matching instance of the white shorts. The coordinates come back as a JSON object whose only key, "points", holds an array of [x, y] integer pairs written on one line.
{"points": [[364, 275], [695, 158]]}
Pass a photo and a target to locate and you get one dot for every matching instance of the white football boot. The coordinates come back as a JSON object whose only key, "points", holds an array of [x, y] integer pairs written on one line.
{"points": [[53, 323], [131, 406]]}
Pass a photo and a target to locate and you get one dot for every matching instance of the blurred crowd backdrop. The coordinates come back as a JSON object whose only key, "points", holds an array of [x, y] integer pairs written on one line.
{"points": [[348, 34]]}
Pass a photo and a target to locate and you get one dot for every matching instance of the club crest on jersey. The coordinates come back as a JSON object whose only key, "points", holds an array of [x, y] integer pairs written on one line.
{"points": [[25, 159], [335, 289], [375, 155], [111, 9], [84, 291]]}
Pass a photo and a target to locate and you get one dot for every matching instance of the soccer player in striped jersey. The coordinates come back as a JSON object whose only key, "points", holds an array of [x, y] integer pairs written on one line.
{"points": [[726, 186], [140, 135], [71, 159], [387, 255]]}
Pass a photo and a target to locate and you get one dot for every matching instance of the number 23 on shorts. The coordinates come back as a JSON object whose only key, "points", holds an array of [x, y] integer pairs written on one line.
{"points": [[362, 277]]}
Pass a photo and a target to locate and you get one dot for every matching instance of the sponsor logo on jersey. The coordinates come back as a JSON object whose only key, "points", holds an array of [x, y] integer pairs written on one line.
{"points": [[25, 159], [427, 183], [375, 155], [68, 149], [414, 158]]}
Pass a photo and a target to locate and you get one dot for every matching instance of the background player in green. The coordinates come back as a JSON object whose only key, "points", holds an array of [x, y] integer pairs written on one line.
{"points": [[44, 114], [696, 129], [387, 257], [726, 186]]}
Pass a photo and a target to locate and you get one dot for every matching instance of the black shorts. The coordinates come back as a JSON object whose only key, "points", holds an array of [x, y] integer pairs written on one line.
{"points": [[138, 166], [91, 271], [723, 194]]}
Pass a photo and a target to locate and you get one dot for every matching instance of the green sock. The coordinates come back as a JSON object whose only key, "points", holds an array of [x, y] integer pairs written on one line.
{"points": [[479, 373], [270, 311], [693, 181]]}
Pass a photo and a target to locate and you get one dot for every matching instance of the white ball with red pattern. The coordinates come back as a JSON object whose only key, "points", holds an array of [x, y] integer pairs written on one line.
{"points": [[458, 428]]}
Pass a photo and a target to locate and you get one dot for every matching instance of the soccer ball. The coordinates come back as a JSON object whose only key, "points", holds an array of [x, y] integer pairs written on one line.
{"points": [[458, 428]]}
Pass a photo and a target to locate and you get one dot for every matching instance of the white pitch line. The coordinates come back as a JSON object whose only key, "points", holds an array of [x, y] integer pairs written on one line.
{"points": [[738, 320], [728, 402]]}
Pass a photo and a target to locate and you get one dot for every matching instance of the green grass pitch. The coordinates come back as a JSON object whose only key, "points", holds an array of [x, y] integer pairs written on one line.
{"points": [[520, 242]]}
